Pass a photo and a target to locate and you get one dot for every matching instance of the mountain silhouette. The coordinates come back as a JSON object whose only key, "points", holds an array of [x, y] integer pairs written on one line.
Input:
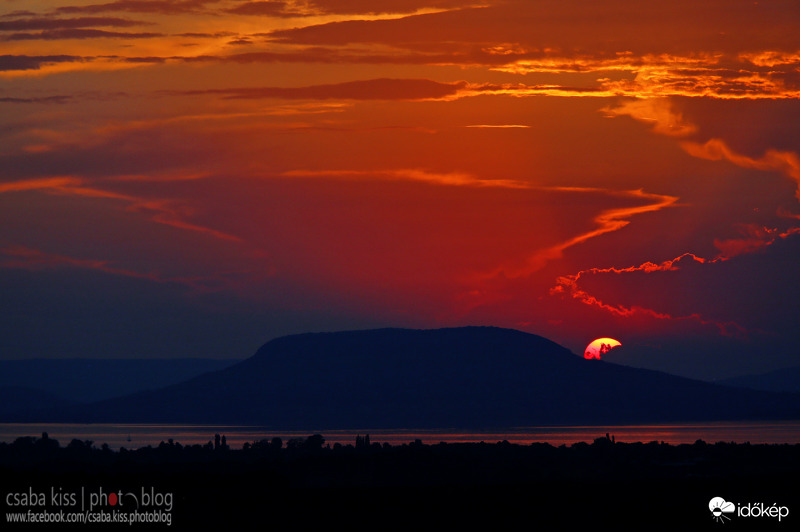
{"points": [[16, 400], [84, 380], [779, 380], [469, 377]]}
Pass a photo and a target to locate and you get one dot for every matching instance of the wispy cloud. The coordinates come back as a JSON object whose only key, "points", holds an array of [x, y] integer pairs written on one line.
{"points": [[607, 221], [164, 7], [373, 89], [499, 126], [56, 28], [412, 174], [659, 112], [35, 62], [162, 211], [55, 183], [754, 238], [16, 256], [786, 162], [24, 257], [57, 99], [78, 33], [52, 23], [354, 7], [666, 121], [569, 286], [268, 9]]}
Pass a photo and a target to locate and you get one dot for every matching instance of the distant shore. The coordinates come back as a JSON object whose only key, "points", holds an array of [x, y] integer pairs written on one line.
{"points": [[133, 436]]}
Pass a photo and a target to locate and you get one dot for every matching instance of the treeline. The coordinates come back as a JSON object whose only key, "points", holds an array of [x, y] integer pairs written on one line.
{"points": [[365, 462], [310, 481]]}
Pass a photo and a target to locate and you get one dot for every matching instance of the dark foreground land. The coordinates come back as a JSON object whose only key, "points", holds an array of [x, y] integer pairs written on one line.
{"points": [[606, 484]]}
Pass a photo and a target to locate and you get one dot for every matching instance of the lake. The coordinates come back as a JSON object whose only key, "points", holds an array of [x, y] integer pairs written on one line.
{"points": [[133, 436]]}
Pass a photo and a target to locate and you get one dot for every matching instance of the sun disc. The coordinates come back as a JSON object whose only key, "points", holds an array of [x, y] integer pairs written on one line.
{"points": [[599, 347]]}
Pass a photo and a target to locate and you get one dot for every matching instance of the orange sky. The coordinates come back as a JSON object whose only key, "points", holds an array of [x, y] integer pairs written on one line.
{"points": [[193, 178]]}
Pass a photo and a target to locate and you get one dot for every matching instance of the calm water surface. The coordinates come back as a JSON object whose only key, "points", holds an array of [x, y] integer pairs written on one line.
{"points": [[133, 436]]}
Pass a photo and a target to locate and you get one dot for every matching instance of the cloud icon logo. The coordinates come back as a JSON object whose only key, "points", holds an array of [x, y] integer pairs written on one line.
{"points": [[719, 507]]}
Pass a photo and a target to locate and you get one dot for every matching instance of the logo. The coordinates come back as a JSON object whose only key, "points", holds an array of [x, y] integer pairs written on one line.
{"points": [[719, 507], [89, 506]]}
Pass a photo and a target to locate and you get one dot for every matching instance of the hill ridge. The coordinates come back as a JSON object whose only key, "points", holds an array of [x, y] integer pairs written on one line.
{"points": [[467, 377]]}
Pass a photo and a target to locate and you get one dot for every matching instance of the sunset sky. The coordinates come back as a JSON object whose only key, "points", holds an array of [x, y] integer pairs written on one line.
{"points": [[193, 178]]}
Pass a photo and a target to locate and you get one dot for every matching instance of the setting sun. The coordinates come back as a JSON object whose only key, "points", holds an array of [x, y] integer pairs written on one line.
{"points": [[600, 347]]}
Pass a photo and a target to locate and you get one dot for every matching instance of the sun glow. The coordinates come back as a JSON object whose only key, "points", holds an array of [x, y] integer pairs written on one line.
{"points": [[599, 347]]}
